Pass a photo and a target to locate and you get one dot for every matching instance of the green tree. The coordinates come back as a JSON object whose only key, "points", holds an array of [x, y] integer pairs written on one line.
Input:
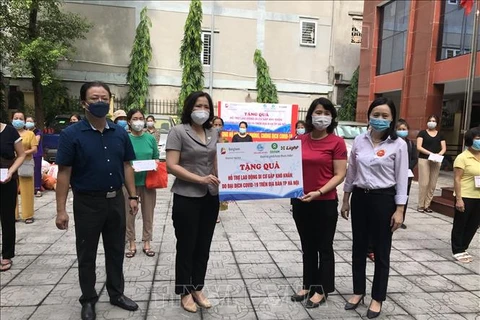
{"points": [[35, 35], [3, 103], [349, 102], [137, 76], [266, 89], [190, 53]]}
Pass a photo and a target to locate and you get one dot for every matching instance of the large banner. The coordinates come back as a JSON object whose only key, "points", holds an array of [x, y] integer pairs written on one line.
{"points": [[266, 121], [260, 170]]}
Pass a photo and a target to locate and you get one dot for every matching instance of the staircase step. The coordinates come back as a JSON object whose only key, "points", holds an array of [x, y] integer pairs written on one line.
{"points": [[447, 193], [443, 206]]}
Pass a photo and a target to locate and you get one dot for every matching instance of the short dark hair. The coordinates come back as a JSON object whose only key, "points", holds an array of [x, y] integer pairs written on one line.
{"points": [[132, 112], [150, 116], [243, 122], [299, 122], [381, 101], [21, 112], [218, 118], [189, 104], [33, 118], [327, 105], [437, 119], [470, 136], [404, 122], [88, 85], [76, 115]]}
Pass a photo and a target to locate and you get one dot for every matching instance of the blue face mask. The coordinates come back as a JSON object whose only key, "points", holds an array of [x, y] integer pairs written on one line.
{"points": [[379, 124], [219, 129], [300, 131], [476, 145], [18, 124], [402, 133], [242, 130], [29, 125], [122, 123], [99, 109]]}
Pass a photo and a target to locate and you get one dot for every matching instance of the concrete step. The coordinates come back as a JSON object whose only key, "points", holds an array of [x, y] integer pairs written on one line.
{"points": [[447, 193], [443, 206]]}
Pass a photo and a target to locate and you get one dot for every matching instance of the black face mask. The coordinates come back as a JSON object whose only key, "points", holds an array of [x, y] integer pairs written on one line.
{"points": [[98, 109]]}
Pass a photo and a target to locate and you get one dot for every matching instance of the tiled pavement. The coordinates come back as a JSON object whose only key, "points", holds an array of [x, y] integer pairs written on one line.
{"points": [[255, 266]]}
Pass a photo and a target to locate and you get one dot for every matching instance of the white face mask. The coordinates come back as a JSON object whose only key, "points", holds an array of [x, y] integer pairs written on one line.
{"points": [[150, 124], [137, 125], [431, 125], [321, 122], [200, 116]]}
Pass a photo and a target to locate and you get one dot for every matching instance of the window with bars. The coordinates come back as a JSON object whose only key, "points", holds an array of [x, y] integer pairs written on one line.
{"points": [[356, 36], [207, 48], [308, 36]]}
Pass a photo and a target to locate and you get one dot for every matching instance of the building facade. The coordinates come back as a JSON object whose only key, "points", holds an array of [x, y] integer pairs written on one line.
{"points": [[417, 53], [311, 47]]}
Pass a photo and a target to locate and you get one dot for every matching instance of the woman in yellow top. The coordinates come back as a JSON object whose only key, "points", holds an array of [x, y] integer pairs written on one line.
{"points": [[467, 196], [30, 144]]}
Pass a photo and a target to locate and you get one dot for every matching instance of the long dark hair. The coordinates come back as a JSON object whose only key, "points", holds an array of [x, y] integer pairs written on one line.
{"points": [[327, 105], [391, 130], [189, 104]]}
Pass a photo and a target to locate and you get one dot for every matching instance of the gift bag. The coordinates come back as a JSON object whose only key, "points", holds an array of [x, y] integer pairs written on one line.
{"points": [[158, 178]]}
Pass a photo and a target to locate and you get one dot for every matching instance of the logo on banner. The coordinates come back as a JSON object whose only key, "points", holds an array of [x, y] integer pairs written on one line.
{"points": [[260, 147], [223, 151], [274, 146]]}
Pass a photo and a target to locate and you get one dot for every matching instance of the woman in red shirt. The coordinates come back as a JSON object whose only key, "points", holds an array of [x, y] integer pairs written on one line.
{"points": [[324, 161]]}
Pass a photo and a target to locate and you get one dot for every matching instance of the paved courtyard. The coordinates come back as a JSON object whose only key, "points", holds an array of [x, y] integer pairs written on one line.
{"points": [[255, 265]]}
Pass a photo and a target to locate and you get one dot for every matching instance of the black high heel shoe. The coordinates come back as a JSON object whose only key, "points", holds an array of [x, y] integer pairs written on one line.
{"points": [[301, 297], [373, 314], [353, 306], [310, 304]]}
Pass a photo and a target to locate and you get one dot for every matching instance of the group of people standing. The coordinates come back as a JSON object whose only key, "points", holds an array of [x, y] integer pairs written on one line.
{"points": [[95, 158]]}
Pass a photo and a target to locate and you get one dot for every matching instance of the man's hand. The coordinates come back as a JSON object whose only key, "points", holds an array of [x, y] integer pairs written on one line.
{"points": [[396, 220], [345, 209], [62, 220], [133, 206]]}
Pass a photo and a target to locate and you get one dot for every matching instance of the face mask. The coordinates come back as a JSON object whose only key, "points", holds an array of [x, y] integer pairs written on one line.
{"points": [[242, 130], [138, 125], [219, 129], [200, 116], [321, 122], [431, 125], [402, 133], [150, 124], [301, 131], [476, 145], [18, 124], [29, 125], [379, 124], [122, 123], [98, 109]]}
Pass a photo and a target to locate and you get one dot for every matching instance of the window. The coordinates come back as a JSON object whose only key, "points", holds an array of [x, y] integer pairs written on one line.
{"points": [[450, 53], [308, 36], [356, 36], [456, 30], [207, 48], [455, 2], [393, 36]]}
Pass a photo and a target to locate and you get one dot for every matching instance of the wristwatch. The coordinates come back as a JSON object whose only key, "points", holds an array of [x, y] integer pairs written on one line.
{"points": [[133, 198]]}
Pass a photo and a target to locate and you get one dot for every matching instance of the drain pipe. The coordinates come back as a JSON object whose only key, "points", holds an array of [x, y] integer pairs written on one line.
{"points": [[212, 47]]}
